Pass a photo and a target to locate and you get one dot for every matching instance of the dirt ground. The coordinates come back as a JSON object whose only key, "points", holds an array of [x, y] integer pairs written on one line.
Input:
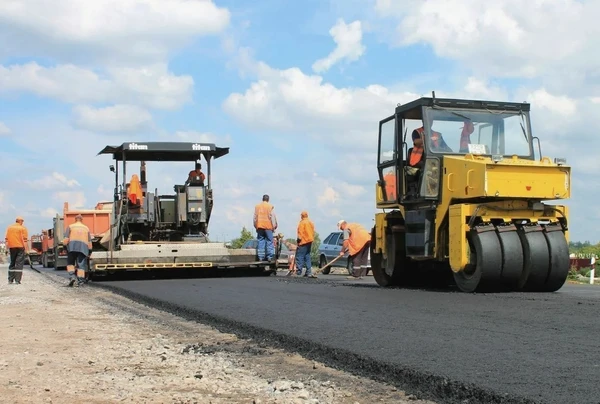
{"points": [[86, 345]]}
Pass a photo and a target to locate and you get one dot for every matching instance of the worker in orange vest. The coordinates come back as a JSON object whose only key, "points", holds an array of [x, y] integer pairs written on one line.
{"points": [[305, 238], [16, 241], [196, 177], [357, 242], [265, 223], [78, 241]]}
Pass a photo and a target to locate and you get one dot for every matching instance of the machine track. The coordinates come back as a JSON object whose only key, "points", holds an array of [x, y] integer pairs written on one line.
{"points": [[531, 258]]}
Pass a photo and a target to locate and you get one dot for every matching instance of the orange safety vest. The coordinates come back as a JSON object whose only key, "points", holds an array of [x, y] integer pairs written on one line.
{"points": [[263, 215], [78, 232], [417, 152], [358, 238], [16, 236], [306, 231], [465, 136], [194, 173], [390, 185], [135, 190]]}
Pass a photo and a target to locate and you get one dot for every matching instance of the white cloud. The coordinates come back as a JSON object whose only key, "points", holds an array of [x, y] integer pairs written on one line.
{"points": [[110, 31], [75, 199], [195, 136], [48, 213], [349, 47], [506, 37], [116, 118], [4, 130], [53, 181], [289, 100], [152, 86]]}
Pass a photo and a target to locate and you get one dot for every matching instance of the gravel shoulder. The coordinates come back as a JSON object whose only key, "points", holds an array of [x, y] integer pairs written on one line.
{"points": [[87, 345]]}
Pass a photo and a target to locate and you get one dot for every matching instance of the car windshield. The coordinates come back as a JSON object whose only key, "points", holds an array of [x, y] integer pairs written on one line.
{"points": [[479, 132]]}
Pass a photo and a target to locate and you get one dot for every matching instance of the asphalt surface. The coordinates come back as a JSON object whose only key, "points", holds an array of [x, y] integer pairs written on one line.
{"points": [[443, 345]]}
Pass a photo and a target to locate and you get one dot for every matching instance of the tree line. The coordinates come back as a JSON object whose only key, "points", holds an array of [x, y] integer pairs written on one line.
{"points": [[246, 235]]}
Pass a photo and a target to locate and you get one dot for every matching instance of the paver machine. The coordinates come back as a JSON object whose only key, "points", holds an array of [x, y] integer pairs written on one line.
{"points": [[155, 231], [472, 206]]}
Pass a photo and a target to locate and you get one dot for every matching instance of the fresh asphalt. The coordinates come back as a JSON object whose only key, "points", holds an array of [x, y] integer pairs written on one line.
{"points": [[443, 345]]}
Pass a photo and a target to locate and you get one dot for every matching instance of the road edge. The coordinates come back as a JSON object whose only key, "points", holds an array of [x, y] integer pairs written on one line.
{"points": [[423, 385]]}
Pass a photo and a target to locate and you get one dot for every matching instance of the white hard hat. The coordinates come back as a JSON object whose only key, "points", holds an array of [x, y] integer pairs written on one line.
{"points": [[340, 223]]}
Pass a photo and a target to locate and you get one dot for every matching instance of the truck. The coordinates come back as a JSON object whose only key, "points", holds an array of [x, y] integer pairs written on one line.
{"points": [[34, 250], [54, 254], [97, 220], [151, 231], [474, 210]]}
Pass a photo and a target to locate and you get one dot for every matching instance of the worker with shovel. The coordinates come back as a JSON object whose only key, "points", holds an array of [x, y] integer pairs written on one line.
{"points": [[357, 242]]}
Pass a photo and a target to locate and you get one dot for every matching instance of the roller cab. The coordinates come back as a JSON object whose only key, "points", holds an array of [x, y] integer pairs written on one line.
{"points": [[466, 200]]}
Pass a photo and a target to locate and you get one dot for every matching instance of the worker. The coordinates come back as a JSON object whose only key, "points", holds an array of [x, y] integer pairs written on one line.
{"points": [[265, 222], [357, 242], [196, 177], [291, 256], [135, 193], [465, 136], [390, 185], [16, 241], [305, 238], [78, 241]]}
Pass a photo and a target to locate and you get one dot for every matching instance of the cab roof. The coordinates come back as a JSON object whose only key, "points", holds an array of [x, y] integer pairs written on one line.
{"points": [[164, 151], [412, 110]]}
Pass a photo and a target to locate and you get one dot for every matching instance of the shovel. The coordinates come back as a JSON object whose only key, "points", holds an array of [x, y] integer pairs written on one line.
{"points": [[330, 262]]}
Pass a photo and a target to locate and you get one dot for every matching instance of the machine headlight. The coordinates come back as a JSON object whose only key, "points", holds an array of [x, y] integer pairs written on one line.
{"points": [[496, 158], [560, 161]]}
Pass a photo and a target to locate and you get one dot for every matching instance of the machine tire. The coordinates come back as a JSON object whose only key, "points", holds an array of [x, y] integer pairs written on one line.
{"points": [[512, 257], [350, 267], [322, 263], [377, 267], [483, 273], [559, 260], [536, 259]]}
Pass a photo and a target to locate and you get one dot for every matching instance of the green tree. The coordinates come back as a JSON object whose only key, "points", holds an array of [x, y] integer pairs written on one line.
{"points": [[245, 235], [314, 251]]}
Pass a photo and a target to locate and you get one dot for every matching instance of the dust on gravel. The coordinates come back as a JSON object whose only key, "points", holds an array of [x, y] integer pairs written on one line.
{"points": [[87, 345]]}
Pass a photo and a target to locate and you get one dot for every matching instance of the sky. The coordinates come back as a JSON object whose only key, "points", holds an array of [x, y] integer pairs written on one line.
{"points": [[295, 88]]}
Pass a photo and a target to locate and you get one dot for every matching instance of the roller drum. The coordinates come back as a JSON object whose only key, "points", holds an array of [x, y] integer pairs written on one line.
{"points": [[536, 259], [559, 259]]}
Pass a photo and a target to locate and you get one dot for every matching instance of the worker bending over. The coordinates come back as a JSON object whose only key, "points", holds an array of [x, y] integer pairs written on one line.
{"points": [[357, 242], [78, 241]]}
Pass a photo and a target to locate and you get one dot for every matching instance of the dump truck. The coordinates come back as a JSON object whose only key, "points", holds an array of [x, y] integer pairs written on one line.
{"points": [[54, 254], [476, 210], [34, 250], [150, 230], [97, 220]]}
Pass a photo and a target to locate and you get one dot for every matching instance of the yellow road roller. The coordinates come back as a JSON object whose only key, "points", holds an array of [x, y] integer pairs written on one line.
{"points": [[463, 192]]}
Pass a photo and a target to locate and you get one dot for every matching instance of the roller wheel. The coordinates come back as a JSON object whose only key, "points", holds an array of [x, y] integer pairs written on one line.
{"points": [[512, 256], [559, 259], [322, 263], [536, 259], [384, 270], [484, 272]]}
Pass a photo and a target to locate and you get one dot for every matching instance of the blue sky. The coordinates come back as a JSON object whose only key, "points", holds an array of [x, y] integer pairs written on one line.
{"points": [[296, 89]]}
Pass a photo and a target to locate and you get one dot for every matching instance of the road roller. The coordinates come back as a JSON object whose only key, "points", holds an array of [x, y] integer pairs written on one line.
{"points": [[465, 197]]}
